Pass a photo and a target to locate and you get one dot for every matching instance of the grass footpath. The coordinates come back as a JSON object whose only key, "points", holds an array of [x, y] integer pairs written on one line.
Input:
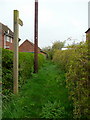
{"points": [[43, 96]]}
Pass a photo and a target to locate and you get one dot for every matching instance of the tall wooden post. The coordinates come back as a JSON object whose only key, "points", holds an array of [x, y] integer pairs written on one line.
{"points": [[89, 14], [17, 21], [88, 45], [15, 61], [0, 71], [36, 38], [88, 33]]}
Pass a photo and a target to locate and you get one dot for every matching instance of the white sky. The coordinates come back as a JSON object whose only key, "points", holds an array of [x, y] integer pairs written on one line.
{"points": [[58, 19]]}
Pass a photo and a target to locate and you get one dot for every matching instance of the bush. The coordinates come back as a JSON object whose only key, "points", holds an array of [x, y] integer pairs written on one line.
{"points": [[7, 71], [41, 60], [26, 63], [77, 81], [75, 62], [25, 67], [53, 110], [62, 58]]}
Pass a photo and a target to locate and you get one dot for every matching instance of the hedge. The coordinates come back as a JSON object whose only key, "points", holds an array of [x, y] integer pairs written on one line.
{"points": [[26, 63], [75, 62]]}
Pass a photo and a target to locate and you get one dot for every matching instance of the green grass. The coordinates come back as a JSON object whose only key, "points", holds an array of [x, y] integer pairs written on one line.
{"points": [[43, 96]]}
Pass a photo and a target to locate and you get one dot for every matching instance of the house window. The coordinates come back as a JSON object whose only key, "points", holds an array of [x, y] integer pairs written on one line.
{"points": [[8, 39], [5, 38], [7, 47], [11, 40]]}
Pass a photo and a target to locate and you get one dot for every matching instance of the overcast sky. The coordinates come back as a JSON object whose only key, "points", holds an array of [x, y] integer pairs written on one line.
{"points": [[58, 19]]}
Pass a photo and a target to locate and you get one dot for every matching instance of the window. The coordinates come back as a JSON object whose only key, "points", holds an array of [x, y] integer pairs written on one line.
{"points": [[5, 38], [11, 40], [7, 47], [8, 39]]}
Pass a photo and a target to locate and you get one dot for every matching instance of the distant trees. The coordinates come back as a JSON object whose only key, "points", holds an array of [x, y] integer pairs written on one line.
{"points": [[57, 45], [48, 50]]}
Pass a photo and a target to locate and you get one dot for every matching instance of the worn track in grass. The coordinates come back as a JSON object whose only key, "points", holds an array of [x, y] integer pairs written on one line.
{"points": [[43, 96]]}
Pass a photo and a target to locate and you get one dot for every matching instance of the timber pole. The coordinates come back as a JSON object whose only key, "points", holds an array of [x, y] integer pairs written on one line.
{"points": [[36, 38], [15, 61], [17, 21]]}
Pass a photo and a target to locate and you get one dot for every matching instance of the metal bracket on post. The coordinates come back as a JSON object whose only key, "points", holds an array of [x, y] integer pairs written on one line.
{"points": [[17, 21]]}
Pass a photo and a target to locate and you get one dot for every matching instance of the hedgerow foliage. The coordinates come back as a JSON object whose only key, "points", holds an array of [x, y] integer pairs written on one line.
{"points": [[75, 62], [57, 45], [26, 63], [7, 71]]}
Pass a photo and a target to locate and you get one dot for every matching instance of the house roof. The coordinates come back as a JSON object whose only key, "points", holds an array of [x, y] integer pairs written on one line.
{"points": [[87, 30], [28, 42], [6, 30], [43, 52], [32, 45]]}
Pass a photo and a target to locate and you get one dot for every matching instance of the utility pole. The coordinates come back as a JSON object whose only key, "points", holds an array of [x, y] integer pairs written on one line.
{"points": [[17, 21], [0, 71], [89, 14], [88, 40], [36, 38]]}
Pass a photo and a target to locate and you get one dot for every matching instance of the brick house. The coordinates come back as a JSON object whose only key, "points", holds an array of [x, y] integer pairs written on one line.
{"points": [[28, 46], [6, 37], [87, 34], [6, 41]]}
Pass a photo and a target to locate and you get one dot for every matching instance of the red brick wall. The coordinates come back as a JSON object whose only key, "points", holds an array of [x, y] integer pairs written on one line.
{"points": [[27, 46], [87, 35], [2, 45], [0, 37], [10, 45], [7, 43]]}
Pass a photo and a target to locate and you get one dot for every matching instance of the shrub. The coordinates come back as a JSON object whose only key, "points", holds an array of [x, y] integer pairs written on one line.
{"points": [[77, 81], [25, 66], [53, 110], [26, 63], [62, 58], [7, 71], [41, 60], [75, 62]]}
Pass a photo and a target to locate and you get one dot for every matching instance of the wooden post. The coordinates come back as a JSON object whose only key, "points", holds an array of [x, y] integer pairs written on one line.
{"points": [[0, 71], [88, 33], [17, 21], [89, 14], [36, 38], [15, 61]]}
